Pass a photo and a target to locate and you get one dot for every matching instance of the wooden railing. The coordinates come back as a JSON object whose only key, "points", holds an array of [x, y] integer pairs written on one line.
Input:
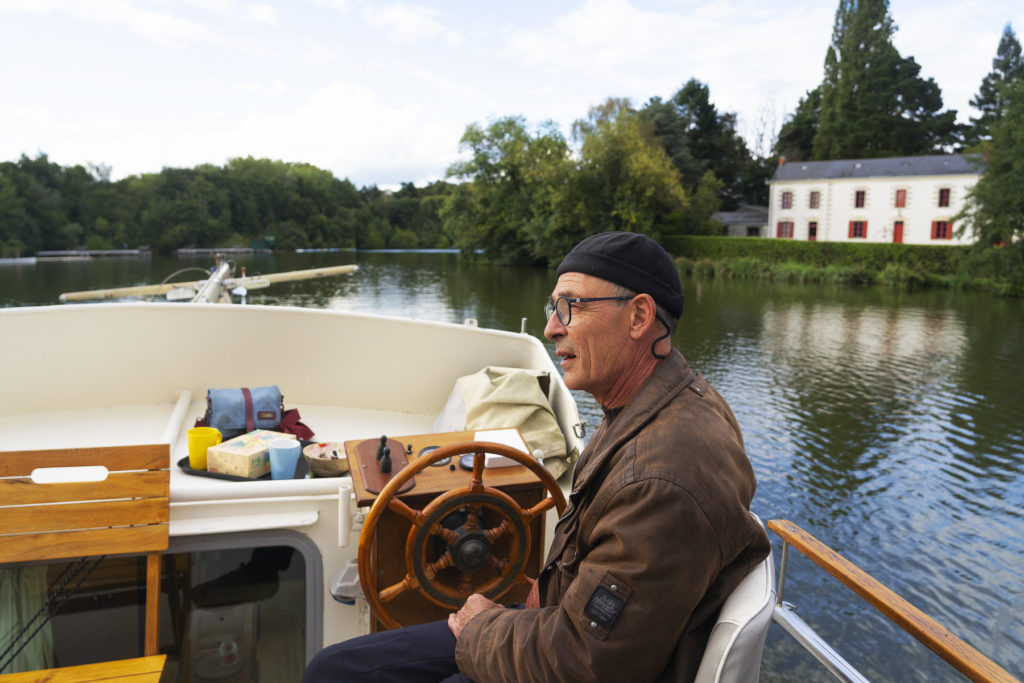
{"points": [[960, 655]]}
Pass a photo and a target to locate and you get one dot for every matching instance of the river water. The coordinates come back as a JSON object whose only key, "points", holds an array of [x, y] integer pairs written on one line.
{"points": [[886, 423]]}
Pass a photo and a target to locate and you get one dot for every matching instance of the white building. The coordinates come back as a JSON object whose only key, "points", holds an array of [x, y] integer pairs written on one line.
{"points": [[905, 199]]}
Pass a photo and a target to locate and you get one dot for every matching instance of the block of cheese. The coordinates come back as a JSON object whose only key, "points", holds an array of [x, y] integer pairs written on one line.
{"points": [[247, 455]]}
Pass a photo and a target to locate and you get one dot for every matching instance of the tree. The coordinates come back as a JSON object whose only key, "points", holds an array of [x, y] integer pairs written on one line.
{"points": [[511, 184], [1007, 68], [706, 200], [698, 138], [874, 102], [796, 137], [624, 181], [994, 210]]}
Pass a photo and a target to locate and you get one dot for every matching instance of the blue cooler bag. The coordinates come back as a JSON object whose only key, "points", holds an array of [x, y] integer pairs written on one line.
{"points": [[239, 411]]}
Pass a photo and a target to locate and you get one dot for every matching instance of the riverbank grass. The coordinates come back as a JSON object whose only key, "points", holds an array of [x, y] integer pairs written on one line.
{"points": [[998, 271]]}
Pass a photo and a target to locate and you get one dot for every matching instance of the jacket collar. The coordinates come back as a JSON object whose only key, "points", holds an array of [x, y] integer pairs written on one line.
{"points": [[670, 376]]}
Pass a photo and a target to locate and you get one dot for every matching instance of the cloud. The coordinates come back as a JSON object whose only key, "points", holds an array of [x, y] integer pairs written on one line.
{"points": [[160, 27], [353, 131], [408, 23], [340, 5], [628, 51], [262, 14], [315, 53], [271, 88]]}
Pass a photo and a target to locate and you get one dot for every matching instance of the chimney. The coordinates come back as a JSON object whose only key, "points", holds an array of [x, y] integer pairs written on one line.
{"points": [[782, 160]]}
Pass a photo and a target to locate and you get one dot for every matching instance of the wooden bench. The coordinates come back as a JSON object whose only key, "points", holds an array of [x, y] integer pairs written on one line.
{"points": [[138, 670], [122, 510]]}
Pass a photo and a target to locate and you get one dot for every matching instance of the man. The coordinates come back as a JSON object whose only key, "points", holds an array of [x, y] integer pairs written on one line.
{"points": [[657, 531]]}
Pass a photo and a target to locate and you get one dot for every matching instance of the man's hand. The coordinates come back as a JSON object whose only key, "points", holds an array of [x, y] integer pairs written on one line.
{"points": [[533, 599], [475, 604]]}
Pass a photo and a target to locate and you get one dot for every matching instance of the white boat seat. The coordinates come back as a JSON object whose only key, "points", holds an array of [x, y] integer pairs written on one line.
{"points": [[733, 653]]}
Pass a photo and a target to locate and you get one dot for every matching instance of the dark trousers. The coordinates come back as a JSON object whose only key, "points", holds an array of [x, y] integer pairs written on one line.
{"points": [[414, 654]]}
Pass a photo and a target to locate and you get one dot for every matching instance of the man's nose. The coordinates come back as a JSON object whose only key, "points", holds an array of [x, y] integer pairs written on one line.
{"points": [[554, 328]]}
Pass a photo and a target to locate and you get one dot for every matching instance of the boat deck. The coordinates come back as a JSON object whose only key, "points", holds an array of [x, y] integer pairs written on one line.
{"points": [[168, 423]]}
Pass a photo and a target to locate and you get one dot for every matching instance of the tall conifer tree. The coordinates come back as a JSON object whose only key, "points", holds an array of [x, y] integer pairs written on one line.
{"points": [[1007, 68], [995, 205], [873, 101]]}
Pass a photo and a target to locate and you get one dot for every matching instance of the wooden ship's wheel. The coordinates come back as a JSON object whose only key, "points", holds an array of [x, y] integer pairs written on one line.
{"points": [[471, 539]]}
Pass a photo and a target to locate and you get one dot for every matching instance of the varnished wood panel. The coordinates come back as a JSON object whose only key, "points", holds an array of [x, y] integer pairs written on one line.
{"points": [[65, 544], [135, 457], [137, 670], [105, 513]]}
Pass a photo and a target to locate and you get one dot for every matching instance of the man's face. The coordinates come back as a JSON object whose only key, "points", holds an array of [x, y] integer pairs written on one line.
{"points": [[594, 349]]}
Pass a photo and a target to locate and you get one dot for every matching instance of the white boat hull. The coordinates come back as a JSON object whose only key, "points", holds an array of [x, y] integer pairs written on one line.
{"points": [[137, 373]]}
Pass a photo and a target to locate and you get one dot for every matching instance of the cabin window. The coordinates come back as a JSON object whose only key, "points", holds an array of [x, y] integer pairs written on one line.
{"points": [[271, 611], [815, 200], [858, 198], [785, 229], [753, 231], [787, 200], [942, 230], [901, 199], [812, 231], [858, 229], [944, 196]]}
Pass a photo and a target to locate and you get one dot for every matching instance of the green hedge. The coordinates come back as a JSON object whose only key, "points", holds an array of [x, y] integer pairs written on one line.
{"points": [[946, 258], [964, 267]]}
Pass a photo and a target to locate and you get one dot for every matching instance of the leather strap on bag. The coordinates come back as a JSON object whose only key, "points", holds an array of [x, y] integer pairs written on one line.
{"points": [[250, 421]]}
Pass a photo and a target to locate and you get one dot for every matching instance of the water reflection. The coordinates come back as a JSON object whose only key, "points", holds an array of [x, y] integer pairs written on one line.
{"points": [[886, 423], [868, 426]]}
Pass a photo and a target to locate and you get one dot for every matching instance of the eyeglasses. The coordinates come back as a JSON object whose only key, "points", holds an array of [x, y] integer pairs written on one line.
{"points": [[562, 306]]}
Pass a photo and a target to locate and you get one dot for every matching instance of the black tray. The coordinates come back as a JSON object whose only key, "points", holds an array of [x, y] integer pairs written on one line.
{"points": [[301, 469]]}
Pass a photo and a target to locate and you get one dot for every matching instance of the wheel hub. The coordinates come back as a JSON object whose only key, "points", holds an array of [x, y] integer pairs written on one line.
{"points": [[470, 551]]}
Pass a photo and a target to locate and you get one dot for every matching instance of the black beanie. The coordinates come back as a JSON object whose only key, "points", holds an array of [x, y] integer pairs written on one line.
{"points": [[631, 260]]}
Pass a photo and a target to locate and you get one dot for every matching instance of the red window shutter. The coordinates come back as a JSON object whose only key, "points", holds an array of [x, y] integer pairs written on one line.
{"points": [[935, 228], [849, 235]]}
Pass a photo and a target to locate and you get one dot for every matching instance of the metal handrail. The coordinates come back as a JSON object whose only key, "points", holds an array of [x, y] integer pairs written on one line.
{"points": [[960, 655]]}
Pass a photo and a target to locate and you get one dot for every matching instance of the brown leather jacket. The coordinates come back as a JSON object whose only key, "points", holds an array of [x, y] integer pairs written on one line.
{"points": [[656, 534]]}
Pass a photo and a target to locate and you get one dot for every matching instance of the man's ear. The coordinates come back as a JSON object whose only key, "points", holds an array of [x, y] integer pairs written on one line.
{"points": [[643, 315]]}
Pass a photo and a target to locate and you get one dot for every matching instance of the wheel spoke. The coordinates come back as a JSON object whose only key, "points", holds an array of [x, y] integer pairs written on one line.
{"points": [[447, 535], [496, 562], [414, 516], [442, 562], [476, 484], [473, 517], [392, 592], [538, 509], [496, 532]]}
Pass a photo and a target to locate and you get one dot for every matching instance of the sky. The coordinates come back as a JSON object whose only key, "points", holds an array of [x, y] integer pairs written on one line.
{"points": [[380, 92]]}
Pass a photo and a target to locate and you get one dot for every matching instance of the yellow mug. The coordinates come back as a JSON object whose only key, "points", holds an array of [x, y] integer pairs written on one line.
{"points": [[200, 439]]}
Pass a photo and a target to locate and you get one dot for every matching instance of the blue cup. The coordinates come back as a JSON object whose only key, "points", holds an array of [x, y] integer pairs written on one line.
{"points": [[284, 458]]}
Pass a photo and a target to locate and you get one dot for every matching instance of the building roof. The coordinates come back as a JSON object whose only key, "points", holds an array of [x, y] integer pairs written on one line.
{"points": [[939, 164], [745, 215]]}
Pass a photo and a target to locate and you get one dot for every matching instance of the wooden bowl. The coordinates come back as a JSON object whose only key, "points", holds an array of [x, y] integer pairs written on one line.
{"points": [[321, 464]]}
